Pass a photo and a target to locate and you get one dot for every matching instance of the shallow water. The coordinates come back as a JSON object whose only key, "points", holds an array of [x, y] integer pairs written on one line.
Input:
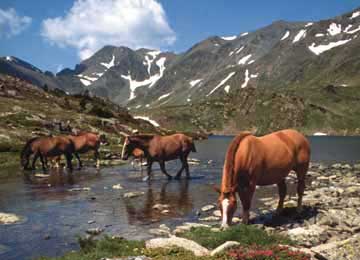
{"points": [[54, 215]]}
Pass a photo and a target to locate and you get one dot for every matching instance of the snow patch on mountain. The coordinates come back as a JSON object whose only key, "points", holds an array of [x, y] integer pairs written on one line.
{"points": [[317, 50], [222, 83], [244, 34], [149, 61], [355, 14], [110, 64], [85, 82], [153, 122], [164, 96], [251, 62], [227, 89], [319, 35], [334, 29], [229, 38], [301, 34], [240, 49], [243, 60], [147, 82], [348, 31], [248, 76], [309, 24], [8, 58], [193, 83], [286, 35]]}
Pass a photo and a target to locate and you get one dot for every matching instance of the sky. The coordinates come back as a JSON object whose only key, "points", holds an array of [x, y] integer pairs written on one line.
{"points": [[56, 34]]}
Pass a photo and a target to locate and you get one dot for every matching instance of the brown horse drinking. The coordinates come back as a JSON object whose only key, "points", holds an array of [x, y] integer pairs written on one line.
{"points": [[85, 142], [161, 149], [266, 160], [43, 147]]}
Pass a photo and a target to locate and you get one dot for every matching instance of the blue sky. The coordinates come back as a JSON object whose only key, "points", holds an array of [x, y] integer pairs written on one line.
{"points": [[176, 26]]}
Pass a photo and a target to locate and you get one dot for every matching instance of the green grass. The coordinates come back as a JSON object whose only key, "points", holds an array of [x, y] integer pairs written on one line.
{"points": [[244, 234], [248, 236], [106, 247]]}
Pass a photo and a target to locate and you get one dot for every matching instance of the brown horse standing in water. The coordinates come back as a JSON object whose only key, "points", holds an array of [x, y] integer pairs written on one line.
{"points": [[85, 142], [161, 149], [266, 160], [43, 147]]}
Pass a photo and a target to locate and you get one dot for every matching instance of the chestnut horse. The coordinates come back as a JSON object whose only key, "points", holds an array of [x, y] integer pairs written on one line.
{"points": [[265, 160], [161, 149], [85, 142], [43, 147]]}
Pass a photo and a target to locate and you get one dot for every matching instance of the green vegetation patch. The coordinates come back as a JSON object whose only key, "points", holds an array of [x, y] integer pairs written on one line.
{"points": [[244, 234]]}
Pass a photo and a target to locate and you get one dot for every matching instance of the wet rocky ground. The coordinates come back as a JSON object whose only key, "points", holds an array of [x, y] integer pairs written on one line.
{"points": [[329, 225]]}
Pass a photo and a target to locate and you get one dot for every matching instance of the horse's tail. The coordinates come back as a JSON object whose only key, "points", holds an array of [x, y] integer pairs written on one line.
{"points": [[25, 151], [229, 161]]}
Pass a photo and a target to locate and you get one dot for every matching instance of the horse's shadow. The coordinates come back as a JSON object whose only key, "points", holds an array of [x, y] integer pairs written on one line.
{"points": [[289, 216]]}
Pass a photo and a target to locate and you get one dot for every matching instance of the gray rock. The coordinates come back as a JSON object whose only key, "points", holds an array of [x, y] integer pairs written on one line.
{"points": [[94, 231], [189, 245], [223, 247]]}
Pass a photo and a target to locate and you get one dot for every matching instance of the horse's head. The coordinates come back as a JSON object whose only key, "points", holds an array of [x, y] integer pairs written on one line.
{"points": [[227, 205], [128, 148]]}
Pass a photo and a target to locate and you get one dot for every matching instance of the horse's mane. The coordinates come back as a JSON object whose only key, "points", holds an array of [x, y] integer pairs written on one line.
{"points": [[227, 179]]}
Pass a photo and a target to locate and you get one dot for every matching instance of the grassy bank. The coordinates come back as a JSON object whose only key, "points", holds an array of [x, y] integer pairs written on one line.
{"points": [[253, 241]]}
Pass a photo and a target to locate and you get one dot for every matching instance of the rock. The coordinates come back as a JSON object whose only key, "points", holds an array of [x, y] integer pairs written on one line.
{"points": [[336, 166], [174, 241], [80, 189], [210, 218], [187, 226], [207, 208], [307, 236], [8, 218], [91, 222], [161, 207], [142, 257], [159, 232], [214, 229], [117, 187], [94, 231], [165, 211], [356, 166], [217, 213], [223, 247], [133, 194]]}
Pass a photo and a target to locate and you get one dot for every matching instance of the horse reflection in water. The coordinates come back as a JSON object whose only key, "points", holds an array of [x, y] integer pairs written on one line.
{"points": [[179, 203]]}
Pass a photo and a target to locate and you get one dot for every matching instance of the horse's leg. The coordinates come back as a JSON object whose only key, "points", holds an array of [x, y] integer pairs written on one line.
{"points": [[36, 156], [178, 175], [246, 194], [187, 167], [282, 194], [147, 178], [162, 167], [42, 162], [301, 174], [68, 157], [97, 160], [79, 161]]}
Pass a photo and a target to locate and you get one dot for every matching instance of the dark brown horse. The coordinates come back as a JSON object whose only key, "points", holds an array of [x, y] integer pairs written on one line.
{"points": [[266, 160], [161, 149], [43, 147], [85, 142]]}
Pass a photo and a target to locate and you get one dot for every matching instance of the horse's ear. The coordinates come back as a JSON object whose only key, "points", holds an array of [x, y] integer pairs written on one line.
{"points": [[217, 189]]}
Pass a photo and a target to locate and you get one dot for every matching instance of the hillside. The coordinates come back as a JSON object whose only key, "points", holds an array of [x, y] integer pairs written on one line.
{"points": [[27, 111], [314, 62]]}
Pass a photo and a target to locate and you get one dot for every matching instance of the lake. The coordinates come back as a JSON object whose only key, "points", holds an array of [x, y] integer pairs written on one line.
{"points": [[54, 211]]}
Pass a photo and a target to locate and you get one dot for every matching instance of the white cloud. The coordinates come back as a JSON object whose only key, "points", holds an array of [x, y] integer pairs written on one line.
{"points": [[91, 24], [11, 23]]}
